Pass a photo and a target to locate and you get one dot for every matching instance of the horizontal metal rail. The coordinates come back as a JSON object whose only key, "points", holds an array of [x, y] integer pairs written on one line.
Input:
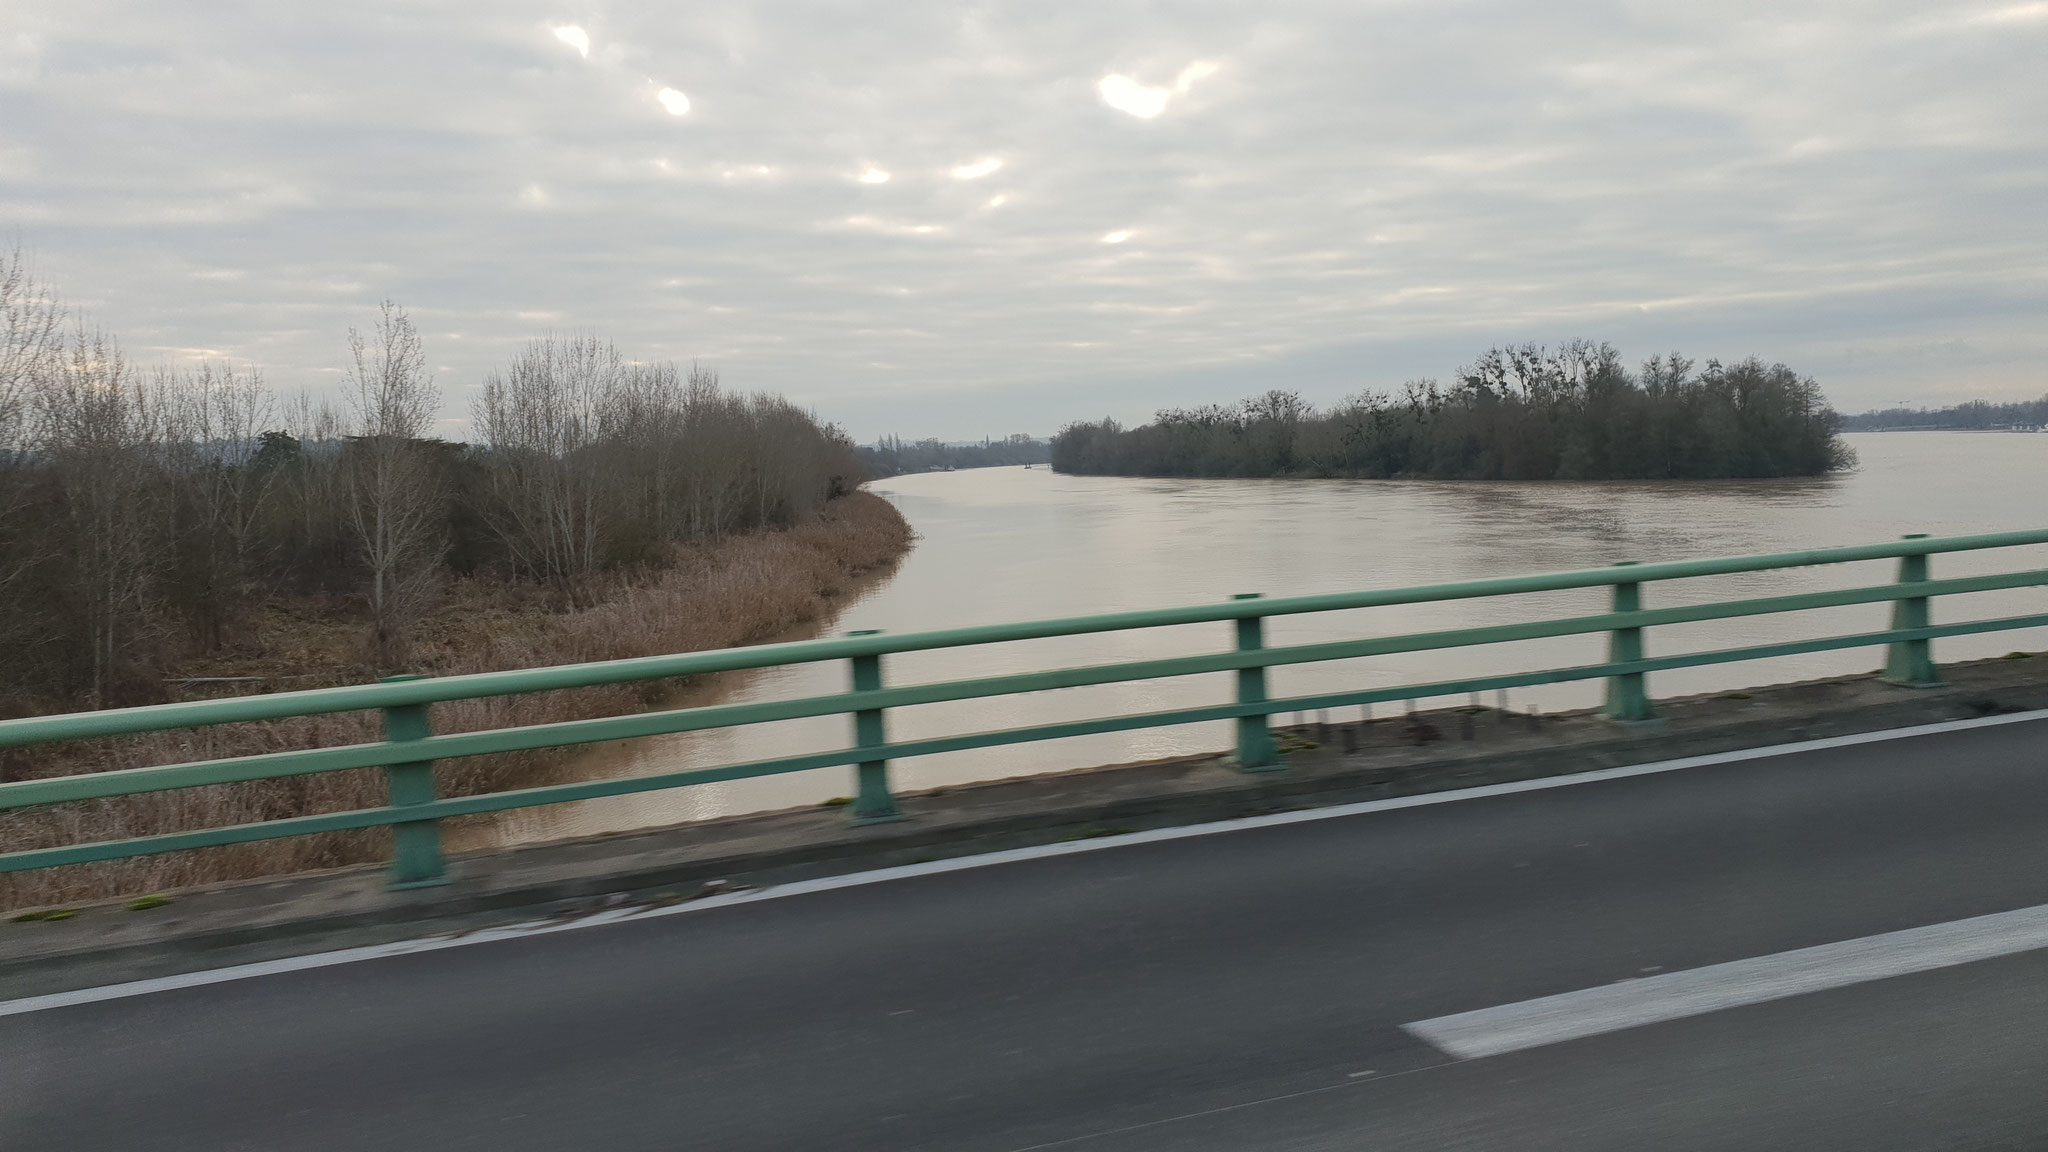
{"points": [[571, 732], [363, 697], [629, 785], [410, 749]]}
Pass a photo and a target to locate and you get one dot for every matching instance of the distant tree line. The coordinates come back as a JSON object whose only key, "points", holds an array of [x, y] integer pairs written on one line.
{"points": [[146, 512], [1975, 415], [1519, 413], [893, 456]]}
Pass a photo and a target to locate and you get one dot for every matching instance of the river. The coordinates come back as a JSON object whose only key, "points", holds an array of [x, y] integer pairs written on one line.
{"points": [[1006, 544]]}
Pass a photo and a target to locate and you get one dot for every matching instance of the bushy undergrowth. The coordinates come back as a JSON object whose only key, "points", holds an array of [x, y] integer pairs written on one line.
{"points": [[736, 590]]}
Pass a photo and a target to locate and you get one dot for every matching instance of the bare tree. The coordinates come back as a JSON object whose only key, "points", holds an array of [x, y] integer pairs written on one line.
{"points": [[647, 423], [31, 348], [31, 339], [593, 462], [715, 464], [545, 417], [102, 429], [220, 414], [394, 507]]}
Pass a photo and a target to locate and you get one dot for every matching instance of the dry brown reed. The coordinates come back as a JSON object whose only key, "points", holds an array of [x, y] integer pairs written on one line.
{"points": [[740, 590]]}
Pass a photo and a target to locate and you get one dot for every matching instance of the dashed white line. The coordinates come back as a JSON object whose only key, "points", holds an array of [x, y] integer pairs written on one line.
{"points": [[1697, 991]]}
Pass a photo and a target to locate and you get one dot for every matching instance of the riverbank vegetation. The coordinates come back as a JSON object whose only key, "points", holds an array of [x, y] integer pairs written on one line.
{"points": [[1518, 413], [149, 516], [1973, 416], [740, 589], [175, 532]]}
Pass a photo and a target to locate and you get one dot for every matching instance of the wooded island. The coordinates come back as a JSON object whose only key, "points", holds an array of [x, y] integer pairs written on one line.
{"points": [[1519, 413]]}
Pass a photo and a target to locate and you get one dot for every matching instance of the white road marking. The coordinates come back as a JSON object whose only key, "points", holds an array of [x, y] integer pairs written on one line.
{"points": [[1697, 991], [984, 860]]}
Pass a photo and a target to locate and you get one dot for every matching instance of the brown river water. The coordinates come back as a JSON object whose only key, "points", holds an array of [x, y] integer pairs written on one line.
{"points": [[1009, 544]]}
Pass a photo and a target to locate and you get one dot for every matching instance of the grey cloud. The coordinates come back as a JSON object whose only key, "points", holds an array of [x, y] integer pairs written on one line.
{"points": [[1358, 194]]}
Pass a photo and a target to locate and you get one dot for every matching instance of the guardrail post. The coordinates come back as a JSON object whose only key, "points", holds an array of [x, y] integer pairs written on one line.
{"points": [[415, 844], [1627, 700], [1254, 739], [873, 803], [1910, 663]]}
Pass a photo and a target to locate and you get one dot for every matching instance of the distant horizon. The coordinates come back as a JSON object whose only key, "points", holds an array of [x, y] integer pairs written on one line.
{"points": [[1926, 409], [1048, 436]]}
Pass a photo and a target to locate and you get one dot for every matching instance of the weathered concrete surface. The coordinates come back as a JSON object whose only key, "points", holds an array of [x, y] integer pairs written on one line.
{"points": [[1433, 751]]}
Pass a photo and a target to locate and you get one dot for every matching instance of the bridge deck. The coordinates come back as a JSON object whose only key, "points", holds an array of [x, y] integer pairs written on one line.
{"points": [[1246, 989]]}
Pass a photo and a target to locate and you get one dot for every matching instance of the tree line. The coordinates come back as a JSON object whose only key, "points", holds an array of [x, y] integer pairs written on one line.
{"points": [[147, 512], [1519, 413], [1974, 415], [893, 456]]}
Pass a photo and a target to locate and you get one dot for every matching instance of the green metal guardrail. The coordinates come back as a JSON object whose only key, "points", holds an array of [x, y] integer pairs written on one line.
{"points": [[409, 748]]}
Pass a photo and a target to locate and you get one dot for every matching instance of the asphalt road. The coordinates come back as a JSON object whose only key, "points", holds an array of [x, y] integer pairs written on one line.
{"points": [[1245, 990]]}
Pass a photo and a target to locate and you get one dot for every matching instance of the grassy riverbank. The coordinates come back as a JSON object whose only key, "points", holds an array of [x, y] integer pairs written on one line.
{"points": [[741, 589]]}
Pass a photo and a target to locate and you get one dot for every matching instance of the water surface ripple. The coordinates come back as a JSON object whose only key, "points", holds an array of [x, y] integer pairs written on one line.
{"points": [[1018, 544]]}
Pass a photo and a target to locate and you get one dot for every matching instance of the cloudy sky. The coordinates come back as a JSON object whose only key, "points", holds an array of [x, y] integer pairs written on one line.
{"points": [[961, 219]]}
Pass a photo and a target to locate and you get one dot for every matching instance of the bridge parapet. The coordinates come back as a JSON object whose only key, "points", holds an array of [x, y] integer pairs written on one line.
{"points": [[410, 748]]}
